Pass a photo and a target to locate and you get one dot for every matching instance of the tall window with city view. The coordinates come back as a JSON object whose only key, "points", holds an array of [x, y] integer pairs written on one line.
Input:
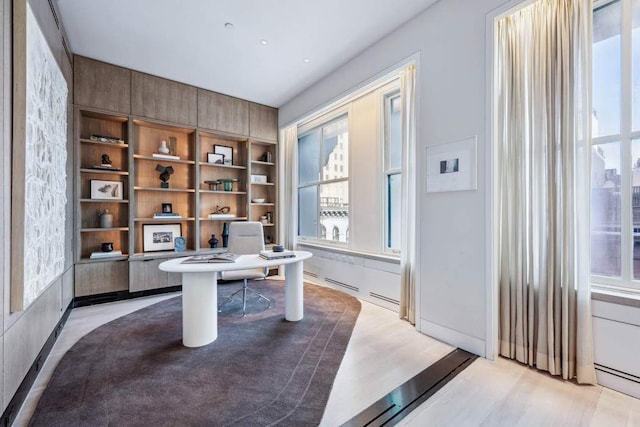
{"points": [[393, 169], [323, 182], [615, 183]]}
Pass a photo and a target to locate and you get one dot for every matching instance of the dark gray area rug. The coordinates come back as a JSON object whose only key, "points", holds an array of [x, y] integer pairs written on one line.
{"points": [[262, 370]]}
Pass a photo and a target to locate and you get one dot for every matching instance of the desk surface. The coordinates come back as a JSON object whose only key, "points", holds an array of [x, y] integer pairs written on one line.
{"points": [[244, 262]]}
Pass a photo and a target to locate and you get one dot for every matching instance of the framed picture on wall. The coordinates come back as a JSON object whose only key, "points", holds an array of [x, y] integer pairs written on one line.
{"points": [[226, 151], [160, 237], [106, 190], [451, 166]]}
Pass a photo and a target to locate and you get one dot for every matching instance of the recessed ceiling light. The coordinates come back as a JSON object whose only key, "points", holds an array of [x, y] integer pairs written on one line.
{"points": [[306, 60], [263, 42], [228, 26]]}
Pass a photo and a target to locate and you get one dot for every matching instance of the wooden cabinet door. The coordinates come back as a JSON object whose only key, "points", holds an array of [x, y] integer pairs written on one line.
{"points": [[101, 277], [224, 113], [162, 99], [101, 85], [145, 275], [263, 122]]}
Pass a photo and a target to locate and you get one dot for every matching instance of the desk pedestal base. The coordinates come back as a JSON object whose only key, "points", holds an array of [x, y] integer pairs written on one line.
{"points": [[293, 292], [199, 308]]}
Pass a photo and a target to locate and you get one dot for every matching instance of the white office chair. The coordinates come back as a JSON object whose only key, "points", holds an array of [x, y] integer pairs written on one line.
{"points": [[245, 238]]}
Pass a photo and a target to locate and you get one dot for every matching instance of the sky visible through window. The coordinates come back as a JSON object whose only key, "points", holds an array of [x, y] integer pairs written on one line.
{"points": [[606, 81]]}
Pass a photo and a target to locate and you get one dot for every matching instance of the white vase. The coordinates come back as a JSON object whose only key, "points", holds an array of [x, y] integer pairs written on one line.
{"points": [[163, 149]]}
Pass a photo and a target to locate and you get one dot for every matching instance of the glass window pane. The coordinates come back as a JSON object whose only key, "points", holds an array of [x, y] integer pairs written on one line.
{"points": [[635, 205], [395, 133], [308, 212], [334, 210], [605, 210], [335, 150], [394, 204], [606, 70], [308, 154], [635, 63]]}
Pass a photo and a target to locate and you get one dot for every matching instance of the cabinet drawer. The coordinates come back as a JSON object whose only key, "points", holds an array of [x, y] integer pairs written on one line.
{"points": [[145, 275], [101, 277]]}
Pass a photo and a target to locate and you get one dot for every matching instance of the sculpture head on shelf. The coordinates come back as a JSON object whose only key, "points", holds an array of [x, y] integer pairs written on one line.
{"points": [[165, 174]]}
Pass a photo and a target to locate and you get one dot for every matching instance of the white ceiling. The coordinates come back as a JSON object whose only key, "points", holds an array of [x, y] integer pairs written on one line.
{"points": [[187, 40]]}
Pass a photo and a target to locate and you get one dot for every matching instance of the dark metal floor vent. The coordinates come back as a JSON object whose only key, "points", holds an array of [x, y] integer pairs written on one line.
{"points": [[383, 298], [344, 285], [396, 405]]}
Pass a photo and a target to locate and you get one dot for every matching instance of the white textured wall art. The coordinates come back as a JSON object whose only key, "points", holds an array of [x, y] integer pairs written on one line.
{"points": [[45, 163]]}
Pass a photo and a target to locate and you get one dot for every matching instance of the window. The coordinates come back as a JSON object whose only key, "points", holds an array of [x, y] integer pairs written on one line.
{"points": [[323, 199], [392, 169], [615, 175]]}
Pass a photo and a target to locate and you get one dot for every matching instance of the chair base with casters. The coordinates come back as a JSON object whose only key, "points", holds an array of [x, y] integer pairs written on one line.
{"points": [[244, 289], [245, 238]]}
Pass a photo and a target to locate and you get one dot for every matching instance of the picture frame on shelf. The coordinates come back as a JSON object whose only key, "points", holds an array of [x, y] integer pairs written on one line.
{"points": [[160, 237], [106, 190], [215, 158], [167, 208], [226, 151]]}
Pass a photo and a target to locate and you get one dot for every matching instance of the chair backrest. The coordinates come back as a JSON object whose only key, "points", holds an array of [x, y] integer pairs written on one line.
{"points": [[246, 237]]}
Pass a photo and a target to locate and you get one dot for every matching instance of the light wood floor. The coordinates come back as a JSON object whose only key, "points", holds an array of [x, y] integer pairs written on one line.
{"points": [[383, 353]]}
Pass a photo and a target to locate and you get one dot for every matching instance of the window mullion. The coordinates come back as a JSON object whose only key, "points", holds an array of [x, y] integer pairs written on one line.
{"points": [[625, 149]]}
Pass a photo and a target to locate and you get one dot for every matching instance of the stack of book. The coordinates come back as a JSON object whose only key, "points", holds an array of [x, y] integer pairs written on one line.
{"points": [[165, 156], [166, 215], [98, 255], [277, 255]]}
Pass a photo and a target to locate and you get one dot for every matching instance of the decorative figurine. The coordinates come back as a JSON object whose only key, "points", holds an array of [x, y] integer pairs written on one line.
{"points": [[213, 242], [225, 235], [165, 174], [106, 161]]}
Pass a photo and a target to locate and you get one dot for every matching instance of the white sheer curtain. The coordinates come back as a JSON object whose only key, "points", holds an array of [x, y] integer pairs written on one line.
{"points": [[543, 63], [408, 190], [290, 188]]}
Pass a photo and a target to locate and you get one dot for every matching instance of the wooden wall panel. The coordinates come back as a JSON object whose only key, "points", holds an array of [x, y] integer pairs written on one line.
{"points": [[101, 277], [263, 122], [162, 99], [224, 113], [146, 275], [101, 85]]}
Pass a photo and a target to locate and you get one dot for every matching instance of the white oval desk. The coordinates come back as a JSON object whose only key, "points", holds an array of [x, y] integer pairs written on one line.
{"points": [[200, 292]]}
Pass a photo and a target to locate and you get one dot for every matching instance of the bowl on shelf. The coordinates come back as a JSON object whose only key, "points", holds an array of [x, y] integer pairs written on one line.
{"points": [[257, 200]]}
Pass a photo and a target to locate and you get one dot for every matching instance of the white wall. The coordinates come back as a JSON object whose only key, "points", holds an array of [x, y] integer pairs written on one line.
{"points": [[449, 39]]}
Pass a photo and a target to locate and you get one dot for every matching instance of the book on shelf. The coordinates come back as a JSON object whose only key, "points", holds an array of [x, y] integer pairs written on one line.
{"points": [[277, 255], [221, 216], [167, 215], [208, 258], [165, 156], [99, 255]]}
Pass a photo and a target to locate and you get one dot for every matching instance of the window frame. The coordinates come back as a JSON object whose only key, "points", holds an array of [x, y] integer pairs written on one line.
{"points": [[308, 128], [387, 171], [625, 137]]}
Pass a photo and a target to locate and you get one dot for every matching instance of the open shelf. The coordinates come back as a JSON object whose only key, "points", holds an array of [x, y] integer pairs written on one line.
{"points": [[104, 171], [159, 159], [213, 165], [102, 230]]}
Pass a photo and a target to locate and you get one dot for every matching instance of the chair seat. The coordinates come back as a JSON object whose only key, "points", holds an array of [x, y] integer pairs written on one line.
{"points": [[256, 273]]}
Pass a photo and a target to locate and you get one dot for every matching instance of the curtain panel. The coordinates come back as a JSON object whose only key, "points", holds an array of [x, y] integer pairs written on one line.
{"points": [[543, 118], [408, 190]]}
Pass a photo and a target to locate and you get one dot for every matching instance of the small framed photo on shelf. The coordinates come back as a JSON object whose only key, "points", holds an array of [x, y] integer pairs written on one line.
{"points": [[167, 208], [106, 190], [160, 237], [226, 151], [215, 158]]}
